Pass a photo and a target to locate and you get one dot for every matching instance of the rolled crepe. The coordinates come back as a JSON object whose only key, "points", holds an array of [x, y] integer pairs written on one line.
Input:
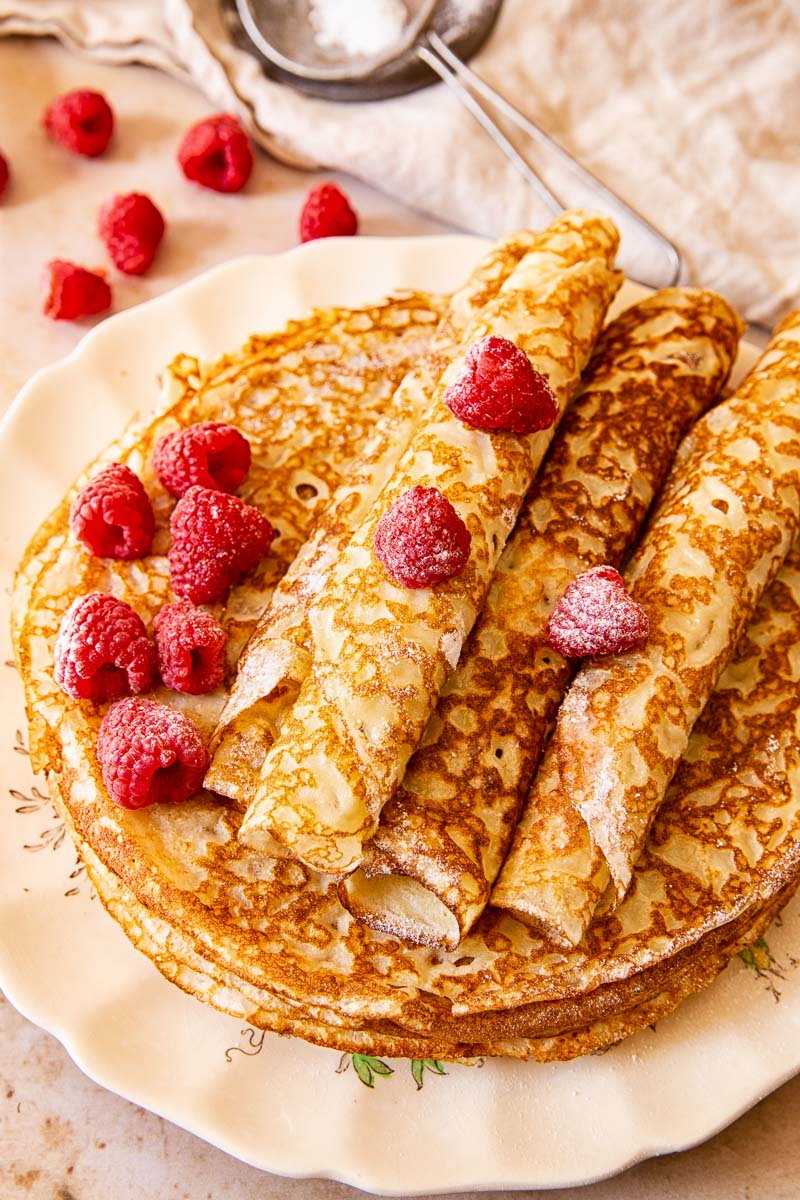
{"points": [[428, 871], [382, 651], [728, 516], [277, 657]]}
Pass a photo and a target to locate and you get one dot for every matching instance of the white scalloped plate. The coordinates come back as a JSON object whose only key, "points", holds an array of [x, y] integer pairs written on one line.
{"points": [[275, 1102]]}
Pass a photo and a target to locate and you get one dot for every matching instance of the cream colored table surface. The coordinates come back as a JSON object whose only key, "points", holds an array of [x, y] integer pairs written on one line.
{"points": [[61, 1136]]}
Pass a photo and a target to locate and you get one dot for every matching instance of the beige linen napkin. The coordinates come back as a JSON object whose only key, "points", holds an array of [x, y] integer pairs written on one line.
{"points": [[689, 111]]}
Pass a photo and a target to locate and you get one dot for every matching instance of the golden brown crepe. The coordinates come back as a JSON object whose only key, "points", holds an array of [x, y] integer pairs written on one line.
{"points": [[727, 837], [428, 871], [269, 939], [729, 514], [381, 652], [277, 657], [547, 1032]]}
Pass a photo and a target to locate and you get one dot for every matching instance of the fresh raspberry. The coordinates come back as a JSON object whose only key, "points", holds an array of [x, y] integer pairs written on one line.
{"points": [[597, 616], [216, 153], [191, 648], [210, 455], [80, 121], [4, 175], [422, 540], [73, 292], [327, 213], [150, 754], [132, 228], [112, 515], [499, 390], [216, 539], [102, 650]]}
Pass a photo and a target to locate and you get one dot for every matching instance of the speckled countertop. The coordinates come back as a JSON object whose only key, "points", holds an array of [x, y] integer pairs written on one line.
{"points": [[61, 1136]]}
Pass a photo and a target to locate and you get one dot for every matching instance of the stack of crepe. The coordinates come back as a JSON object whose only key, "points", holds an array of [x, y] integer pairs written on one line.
{"points": [[430, 835]]}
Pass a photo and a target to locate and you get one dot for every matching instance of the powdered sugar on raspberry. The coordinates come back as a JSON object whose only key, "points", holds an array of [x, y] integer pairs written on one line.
{"points": [[210, 454], [102, 650], [421, 540], [191, 648], [596, 615], [112, 514], [498, 390], [216, 540], [150, 754]]}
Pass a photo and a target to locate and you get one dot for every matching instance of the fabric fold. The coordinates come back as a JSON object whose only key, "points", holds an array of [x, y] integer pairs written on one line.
{"points": [[429, 869], [382, 652], [726, 520]]}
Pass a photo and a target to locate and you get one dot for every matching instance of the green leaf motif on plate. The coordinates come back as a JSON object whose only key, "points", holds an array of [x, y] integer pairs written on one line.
{"points": [[757, 958], [420, 1065], [366, 1068]]}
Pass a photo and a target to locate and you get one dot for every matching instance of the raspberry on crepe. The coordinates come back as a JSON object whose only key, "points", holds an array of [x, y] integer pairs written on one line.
{"points": [[209, 454], [112, 515], [103, 650], [216, 540], [150, 754], [191, 648]]}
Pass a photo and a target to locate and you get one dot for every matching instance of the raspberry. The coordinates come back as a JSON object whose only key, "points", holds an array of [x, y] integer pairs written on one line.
{"points": [[327, 213], [498, 390], [102, 650], [4, 175], [216, 153], [422, 540], [112, 515], [216, 539], [597, 616], [74, 292], [150, 754], [211, 455], [81, 122], [191, 648], [131, 227]]}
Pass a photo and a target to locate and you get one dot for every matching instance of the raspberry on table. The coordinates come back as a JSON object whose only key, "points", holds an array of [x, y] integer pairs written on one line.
{"points": [[191, 648], [211, 455], [112, 515], [498, 390], [150, 754], [216, 540], [596, 615], [102, 650], [132, 228], [73, 292], [216, 153], [422, 540], [5, 175], [81, 121], [327, 213]]}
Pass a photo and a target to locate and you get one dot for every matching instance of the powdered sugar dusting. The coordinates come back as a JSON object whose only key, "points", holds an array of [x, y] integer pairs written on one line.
{"points": [[498, 389], [597, 616], [355, 28], [422, 540], [451, 648]]}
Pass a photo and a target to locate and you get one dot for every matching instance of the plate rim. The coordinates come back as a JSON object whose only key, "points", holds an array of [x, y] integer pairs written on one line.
{"points": [[11, 424]]}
